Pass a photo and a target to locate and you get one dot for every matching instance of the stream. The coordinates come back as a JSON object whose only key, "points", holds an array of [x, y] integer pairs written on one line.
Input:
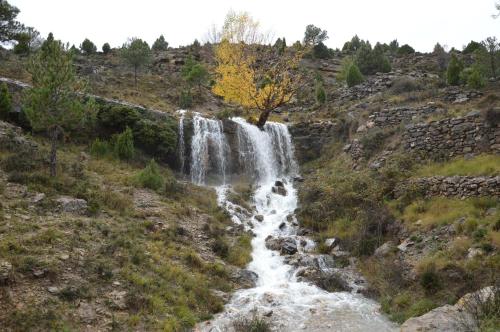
{"points": [[287, 303]]}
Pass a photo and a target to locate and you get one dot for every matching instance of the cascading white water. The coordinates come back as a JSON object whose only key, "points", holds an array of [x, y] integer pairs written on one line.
{"points": [[291, 305], [208, 148], [182, 144]]}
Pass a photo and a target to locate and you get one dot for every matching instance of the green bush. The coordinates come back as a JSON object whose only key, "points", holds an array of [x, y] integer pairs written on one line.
{"points": [[5, 101], [106, 48], [321, 51], [320, 94], [185, 99], [455, 67], [99, 148], [473, 77], [150, 177], [471, 47], [405, 50], [255, 324], [405, 85], [123, 144], [371, 61], [354, 76], [429, 279], [115, 119], [88, 47], [156, 138]]}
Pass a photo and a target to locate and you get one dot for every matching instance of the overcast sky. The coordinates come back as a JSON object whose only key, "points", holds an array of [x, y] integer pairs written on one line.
{"points": [[420, 23]]}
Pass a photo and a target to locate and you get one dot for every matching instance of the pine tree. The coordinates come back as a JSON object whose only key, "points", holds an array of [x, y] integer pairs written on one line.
{"points": [[52, 103], [136, 53], [88, 47], [106, 48], [160, 44], [354, 76], [455, 67], [9, 27]]}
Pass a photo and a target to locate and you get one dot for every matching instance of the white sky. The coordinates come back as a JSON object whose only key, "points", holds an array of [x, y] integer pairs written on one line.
{"points": [[420, 23]]}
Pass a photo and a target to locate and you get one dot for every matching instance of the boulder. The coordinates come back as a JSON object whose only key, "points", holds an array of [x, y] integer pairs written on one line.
{"points": [[72, 205], [259, 217], [279, 183], [245, 278], [384, 249], [273, 243], [279, 190], [289, 247]]}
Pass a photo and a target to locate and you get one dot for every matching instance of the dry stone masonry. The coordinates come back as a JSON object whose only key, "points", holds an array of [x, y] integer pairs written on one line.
{"points": [[457, 186], [451, 137], [395, 116]]}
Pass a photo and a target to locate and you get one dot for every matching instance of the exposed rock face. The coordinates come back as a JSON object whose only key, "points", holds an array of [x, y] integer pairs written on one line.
{"points": [[451, 318], [12, 137], [443, 319], [461, 186], [72, 205], [310, 137], [451, 137], [397, 115]]}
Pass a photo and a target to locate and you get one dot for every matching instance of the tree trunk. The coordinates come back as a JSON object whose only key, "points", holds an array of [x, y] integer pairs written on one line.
{"points": [[54, 135], [264, 115]]}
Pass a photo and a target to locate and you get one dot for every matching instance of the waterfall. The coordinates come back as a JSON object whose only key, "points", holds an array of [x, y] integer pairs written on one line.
{"points": [[208, 150], [290, 303], [266, 154], [181, 145]]}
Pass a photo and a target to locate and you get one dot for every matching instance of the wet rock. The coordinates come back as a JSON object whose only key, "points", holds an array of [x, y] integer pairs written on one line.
{"points": [[282, 226], [279, 190], [5, 272], [289, 247], [259, 217], [72, 205], [245, 278], [279, 183], [329, 281], [273, 243]]}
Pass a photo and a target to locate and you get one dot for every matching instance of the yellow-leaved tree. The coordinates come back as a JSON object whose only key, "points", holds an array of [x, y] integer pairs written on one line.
{"points": [[251, 74]]}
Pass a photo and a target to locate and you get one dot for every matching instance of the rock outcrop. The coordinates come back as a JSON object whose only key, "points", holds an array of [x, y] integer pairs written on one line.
{"points": [[452, 318]]}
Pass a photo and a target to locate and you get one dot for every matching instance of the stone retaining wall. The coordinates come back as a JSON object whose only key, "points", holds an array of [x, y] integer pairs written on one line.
{"points": [[451, 137], [456, 186], [398, 115]]}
